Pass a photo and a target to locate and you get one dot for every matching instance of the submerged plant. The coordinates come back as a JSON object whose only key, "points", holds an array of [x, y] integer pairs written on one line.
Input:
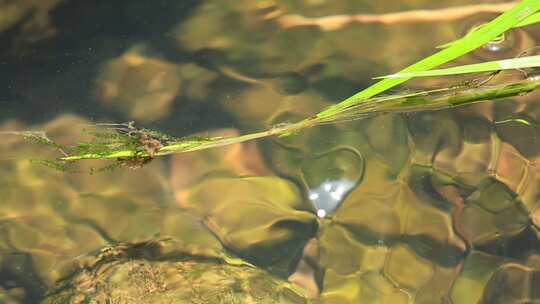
{"points": [[129, 146]]}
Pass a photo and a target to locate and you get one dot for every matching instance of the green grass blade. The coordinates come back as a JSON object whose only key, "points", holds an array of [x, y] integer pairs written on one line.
{"points": [[535, 18], [490, 66], [483, 35]]}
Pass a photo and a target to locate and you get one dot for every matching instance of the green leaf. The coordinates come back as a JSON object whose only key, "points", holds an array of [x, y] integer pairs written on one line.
{"points": [[490, 66], [535, 18]]}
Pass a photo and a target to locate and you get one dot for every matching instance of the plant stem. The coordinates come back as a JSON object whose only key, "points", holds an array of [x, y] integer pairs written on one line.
{"points": [[416, 102]]}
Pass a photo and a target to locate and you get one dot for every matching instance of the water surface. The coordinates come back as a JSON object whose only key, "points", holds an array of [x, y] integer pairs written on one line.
{"points": [[434, 207]]}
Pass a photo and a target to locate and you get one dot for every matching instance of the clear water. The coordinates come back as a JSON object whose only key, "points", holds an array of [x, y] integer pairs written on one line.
{"points": [[437, 207]]}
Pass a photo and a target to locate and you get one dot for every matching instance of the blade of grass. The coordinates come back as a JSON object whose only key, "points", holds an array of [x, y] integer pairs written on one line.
{"points": [[535, 18], [490, 66], [476, 39]]}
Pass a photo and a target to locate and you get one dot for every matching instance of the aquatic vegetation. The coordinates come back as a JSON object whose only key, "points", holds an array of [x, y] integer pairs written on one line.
{"points": [[490, 66], [473, 40], [126, 145]]}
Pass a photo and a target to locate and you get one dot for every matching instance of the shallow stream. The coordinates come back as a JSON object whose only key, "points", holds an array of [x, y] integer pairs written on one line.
{"points": [[432, 207]]}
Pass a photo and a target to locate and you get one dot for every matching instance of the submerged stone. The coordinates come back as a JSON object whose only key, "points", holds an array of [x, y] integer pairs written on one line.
{"points": [[157, 272]]}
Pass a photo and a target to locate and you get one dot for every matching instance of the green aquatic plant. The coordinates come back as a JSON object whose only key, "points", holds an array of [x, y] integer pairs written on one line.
{"points": [[127, 145], [490, 66], [133, 147]]}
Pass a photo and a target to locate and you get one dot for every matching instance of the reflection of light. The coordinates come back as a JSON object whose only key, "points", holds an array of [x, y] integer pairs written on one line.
{"points": [[335, 195], [313, 196], [329, 194], [534, 77], [341, 190]]}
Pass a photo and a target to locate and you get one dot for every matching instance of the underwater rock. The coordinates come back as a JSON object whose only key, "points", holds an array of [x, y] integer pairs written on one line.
{"points": [[155, 272], [263, 105], [259, 216], [11, 296], [146, 87], [33, 18], [49, 216], [262, 219], [243, 159], [475, 273], [513, 283], [143, 86]]}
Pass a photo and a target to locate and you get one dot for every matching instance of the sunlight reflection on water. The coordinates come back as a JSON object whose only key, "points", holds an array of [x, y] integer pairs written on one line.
{"points": [[329, 194]]}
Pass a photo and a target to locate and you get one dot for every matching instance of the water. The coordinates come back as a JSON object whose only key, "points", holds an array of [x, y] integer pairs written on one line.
{"points": [[436, 207]]}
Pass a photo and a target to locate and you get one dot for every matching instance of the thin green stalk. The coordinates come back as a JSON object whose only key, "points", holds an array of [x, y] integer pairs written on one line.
{"points": [[416, 102], [530, 20], [186, 145], [437, 100], [490, 66]]}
